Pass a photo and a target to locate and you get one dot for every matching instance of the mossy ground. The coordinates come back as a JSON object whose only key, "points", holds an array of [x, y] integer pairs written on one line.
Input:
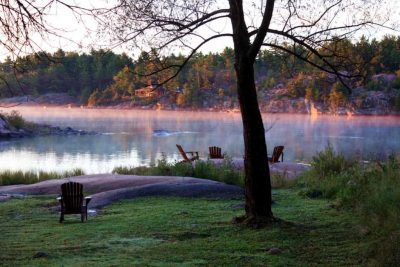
{"points": [[180, 231]]}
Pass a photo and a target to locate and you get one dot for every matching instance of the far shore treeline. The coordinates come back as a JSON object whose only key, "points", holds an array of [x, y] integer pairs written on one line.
{"points": [[105, 78]]}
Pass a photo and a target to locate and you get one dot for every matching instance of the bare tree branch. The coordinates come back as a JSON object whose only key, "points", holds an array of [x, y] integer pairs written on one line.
{"points": [[184, 63], [262, 30]]}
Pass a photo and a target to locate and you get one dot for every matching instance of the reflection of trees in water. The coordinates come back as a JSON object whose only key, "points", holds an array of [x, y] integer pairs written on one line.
{"points": [[363, 137], [301, 136], [135, 143], [94, 144]]}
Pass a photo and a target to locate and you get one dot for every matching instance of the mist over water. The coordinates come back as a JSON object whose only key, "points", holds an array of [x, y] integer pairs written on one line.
{"points": [[138, 137]]}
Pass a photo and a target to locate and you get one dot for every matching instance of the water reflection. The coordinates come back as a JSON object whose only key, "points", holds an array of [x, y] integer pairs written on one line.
{"points": [[139, 137]]}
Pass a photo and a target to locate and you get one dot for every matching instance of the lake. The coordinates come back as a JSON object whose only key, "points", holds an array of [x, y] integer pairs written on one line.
{"points": [[140, 137]]}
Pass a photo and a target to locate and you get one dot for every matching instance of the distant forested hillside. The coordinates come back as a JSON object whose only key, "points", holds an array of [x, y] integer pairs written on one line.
{"points": [[60, 72], [103, 77]]}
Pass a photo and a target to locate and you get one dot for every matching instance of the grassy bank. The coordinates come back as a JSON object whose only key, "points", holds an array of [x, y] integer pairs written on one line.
{"points": [[224, 172], [371, 191], [177, 231], [31, 177]]}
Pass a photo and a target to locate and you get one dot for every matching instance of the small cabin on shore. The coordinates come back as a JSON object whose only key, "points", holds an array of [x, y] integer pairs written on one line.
{"points": [[150, 91]]}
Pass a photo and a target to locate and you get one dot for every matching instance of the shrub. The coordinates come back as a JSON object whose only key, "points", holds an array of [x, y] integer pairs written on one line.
{"points": [[94, 98], [396, 82], [315, 93], [337, 96], [312, 92], [296, 86], [309, 93], [142, 170], [279, 180], [327, 162], [269, 82], [224, 172], [377, 85], [15, 120]]}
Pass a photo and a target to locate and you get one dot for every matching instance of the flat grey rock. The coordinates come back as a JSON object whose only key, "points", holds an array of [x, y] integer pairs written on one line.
{"points": [[107, 188]]}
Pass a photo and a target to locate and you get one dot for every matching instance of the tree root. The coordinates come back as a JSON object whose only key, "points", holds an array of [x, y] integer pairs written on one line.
{"points": [[255, 222]]}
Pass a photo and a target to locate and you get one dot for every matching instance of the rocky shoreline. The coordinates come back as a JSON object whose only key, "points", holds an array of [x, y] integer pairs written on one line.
{"points": [[277, 100], [272, 101], [7, 131]]}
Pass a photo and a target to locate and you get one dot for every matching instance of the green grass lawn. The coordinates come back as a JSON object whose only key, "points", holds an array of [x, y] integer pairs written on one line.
{"points": [[180, 231]]}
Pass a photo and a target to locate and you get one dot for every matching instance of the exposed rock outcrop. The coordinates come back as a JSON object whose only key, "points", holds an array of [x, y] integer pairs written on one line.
{"points": [[362, 101], [8, 131], [49, 99]]}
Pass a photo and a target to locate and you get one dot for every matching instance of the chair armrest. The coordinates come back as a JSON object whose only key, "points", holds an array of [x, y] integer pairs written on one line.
{"points": [[87, 199], [193, 153]]}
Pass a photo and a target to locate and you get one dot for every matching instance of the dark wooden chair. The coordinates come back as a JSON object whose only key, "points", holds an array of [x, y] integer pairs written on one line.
{"points": [[72, 200], [215, 152], [278, 153], [194, 154]]}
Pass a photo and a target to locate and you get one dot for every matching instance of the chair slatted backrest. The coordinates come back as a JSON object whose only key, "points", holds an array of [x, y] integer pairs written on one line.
{"points": [[278, 150], [215, 152], [182, 152], [72, 194]]}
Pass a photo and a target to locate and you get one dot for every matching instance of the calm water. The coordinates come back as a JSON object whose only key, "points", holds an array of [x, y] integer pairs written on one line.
{"points": [[136, 138]]}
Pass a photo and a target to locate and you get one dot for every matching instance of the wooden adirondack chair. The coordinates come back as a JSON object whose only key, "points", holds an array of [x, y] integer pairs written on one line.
{"points": [[278, 153], [194, 154], [72, 200], [215, 152]]}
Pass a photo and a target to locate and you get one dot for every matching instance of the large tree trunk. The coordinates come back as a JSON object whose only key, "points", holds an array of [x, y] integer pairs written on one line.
{"points": [[257, 176]]}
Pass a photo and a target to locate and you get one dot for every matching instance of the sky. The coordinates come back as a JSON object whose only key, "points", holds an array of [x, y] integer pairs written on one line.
{"points": [[80, 34]]}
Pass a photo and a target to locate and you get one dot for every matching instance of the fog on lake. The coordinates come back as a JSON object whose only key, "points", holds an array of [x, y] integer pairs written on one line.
{"points": [[139, 137]]}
